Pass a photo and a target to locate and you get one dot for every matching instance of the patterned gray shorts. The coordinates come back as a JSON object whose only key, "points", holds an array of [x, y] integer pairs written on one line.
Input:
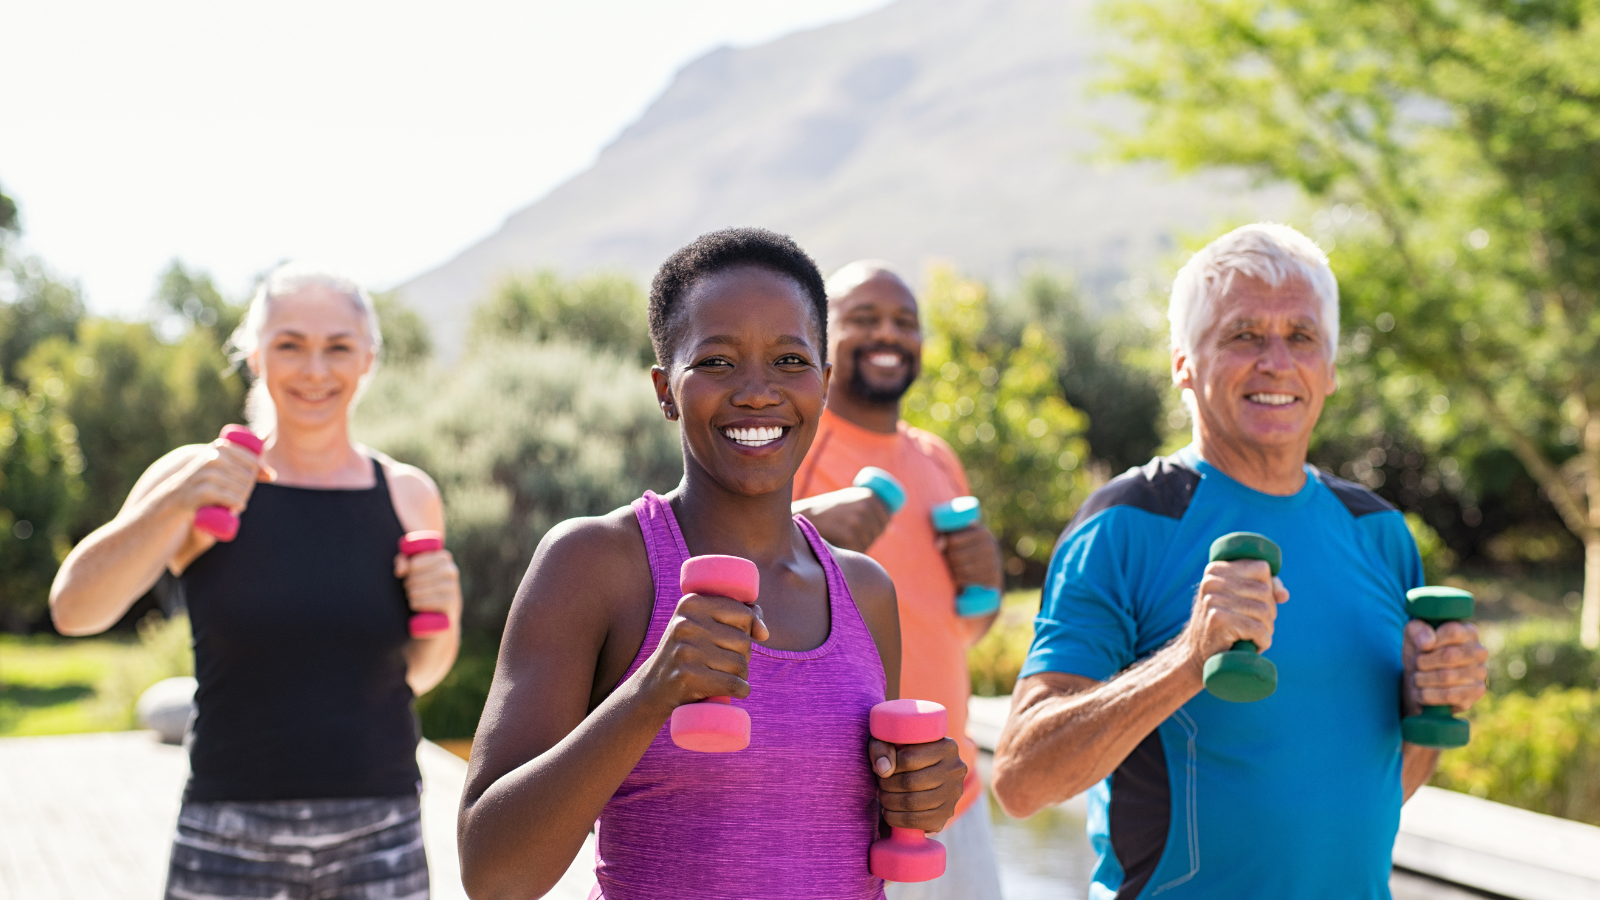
{"points": [[360, 849]]}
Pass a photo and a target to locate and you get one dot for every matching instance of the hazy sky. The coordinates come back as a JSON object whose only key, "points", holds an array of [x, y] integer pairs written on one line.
{"points": [[378, 137]]}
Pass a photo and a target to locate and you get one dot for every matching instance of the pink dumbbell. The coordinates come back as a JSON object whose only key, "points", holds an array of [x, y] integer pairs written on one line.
{"points": [[219, 521], [907, 854], [425, 624], [715, 725]]}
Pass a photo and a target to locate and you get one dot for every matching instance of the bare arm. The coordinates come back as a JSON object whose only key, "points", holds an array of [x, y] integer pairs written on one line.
{"points": [[851, 517], [432, 580], [1067, 732], [544, 763], [119, 561]]}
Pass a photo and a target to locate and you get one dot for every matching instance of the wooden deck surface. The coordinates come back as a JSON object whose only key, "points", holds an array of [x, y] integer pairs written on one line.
{"points": [[91, 816]]}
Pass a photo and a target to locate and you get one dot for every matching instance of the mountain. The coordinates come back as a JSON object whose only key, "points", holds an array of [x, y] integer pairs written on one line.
{"points": [[958, 130]]}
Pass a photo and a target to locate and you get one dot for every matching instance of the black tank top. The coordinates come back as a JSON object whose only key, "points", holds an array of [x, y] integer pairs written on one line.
{"points": [[299, 632]]}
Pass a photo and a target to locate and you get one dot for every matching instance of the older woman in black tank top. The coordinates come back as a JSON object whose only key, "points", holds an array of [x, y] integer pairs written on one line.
{"points": [[303, 753]]}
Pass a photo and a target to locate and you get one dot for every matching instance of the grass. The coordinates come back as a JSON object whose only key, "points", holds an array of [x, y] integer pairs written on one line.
{"points": [[54, 685]]}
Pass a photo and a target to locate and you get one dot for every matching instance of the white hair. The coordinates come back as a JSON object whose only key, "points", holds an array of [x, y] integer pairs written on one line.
{"points": [[1265, 251], [286, 279], [852, 275]]}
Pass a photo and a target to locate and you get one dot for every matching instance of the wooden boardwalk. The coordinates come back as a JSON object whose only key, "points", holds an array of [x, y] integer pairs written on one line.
{"points": [[91, 816]]}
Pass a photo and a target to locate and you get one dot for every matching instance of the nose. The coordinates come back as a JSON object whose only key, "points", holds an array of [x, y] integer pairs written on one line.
{"points": [[1275, 356], [756, 390], [318, 363]]}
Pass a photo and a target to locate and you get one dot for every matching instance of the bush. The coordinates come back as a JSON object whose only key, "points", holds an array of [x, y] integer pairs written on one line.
{"points": [[520, 438], [601, 310], [995, 661], [1540, 753], [452, 709], [1529, 656]]}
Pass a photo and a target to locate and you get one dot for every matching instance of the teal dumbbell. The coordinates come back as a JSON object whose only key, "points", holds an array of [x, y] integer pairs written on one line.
{"points": [[883, 486], [1243, 675], [973, 599], [1436, 727]]}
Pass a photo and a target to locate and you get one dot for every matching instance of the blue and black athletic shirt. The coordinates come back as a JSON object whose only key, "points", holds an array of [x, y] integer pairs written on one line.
{"points": [[1294, 796]]}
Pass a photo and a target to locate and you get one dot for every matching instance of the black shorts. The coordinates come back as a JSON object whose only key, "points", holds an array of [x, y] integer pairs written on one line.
{"points": [[357, 849]]}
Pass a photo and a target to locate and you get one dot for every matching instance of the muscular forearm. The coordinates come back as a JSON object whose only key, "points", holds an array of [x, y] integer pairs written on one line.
{"points": [[117, 563], [1416, 767], [521, 833], [1066, 732], [428, 660]]}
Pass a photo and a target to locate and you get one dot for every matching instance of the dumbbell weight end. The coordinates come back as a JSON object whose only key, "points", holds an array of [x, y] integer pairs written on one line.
{"points": [[715, 725], [1437, 726], [219, 521], [907, 855], [425, 624]]}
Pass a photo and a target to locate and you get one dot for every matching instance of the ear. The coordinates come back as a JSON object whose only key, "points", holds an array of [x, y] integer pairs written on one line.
{"points": [[1182, 376], [253, 361], [827, 379], [669, 408]]}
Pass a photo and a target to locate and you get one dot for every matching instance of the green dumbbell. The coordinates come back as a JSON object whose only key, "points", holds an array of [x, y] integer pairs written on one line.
{"points": [[1436, 727], [1243, 675]]}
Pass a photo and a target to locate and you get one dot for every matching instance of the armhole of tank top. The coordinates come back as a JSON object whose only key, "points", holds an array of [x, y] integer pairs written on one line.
{"points": [[641, 510]]}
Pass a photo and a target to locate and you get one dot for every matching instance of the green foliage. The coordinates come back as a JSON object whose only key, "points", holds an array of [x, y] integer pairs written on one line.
{"points": [[165, 650], [1455, 142], [519, 438], [452, 709], [998, 403], [195, 302], [41, 490], [1437, 560], [8, 215], [1540, 753], [34, 307], [603, 310], [1533, 654], [1099, 375], [995, 662], [406, 341]]}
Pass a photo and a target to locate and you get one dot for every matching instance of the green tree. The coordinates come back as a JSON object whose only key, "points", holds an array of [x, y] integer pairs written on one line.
{"points": [[34, 307], [520, 437], [998, 403], [406, 341], [603, 310], [1454, 142], [40, 487]]}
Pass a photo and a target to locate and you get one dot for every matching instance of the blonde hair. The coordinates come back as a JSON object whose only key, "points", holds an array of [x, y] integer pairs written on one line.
{"points": [[1266, 251], [286, 279]]}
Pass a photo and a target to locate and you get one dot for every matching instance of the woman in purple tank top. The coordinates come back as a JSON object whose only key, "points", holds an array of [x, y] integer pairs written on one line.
{"points": [[600, 646]]}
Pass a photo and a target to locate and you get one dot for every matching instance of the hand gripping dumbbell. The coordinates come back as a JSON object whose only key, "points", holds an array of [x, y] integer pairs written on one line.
{"points": [[425, 624], [715, 725], [883, 486], [962, 512], [907, 854], [1243, 675], [219, 521], [1436, 727]]}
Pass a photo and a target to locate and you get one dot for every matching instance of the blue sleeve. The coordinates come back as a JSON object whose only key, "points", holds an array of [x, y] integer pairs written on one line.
{"points": [[1388, 532], [1086, 624]]}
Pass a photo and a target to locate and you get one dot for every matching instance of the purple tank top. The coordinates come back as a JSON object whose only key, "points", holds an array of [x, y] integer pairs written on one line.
{"points": [[789, 817]]}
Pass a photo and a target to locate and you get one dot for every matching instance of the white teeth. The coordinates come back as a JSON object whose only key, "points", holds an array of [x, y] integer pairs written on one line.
{"points": [[753, 437], [1271, 399], [885, 359]]}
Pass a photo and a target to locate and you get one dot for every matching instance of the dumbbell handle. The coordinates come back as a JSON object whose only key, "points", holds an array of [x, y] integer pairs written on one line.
{"points": [[425, 624], [219, 521], [972, 600], [1437, 726], [907, 855], [695, 580]]}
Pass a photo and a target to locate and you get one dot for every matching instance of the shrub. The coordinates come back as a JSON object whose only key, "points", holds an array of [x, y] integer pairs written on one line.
{"points": [[520, 438], [995, 661], [1540, 753], [1531, 655], [452, 709]]}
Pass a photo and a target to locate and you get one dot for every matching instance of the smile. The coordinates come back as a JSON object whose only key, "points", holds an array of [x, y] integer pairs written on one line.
{"points": [[1271, 399], [754, 437], [313, 396], [886, 360]]}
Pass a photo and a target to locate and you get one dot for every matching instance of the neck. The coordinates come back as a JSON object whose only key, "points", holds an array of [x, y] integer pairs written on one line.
{"points": [[1279, 471], [320, 455], [714, 519], [883, 418]]}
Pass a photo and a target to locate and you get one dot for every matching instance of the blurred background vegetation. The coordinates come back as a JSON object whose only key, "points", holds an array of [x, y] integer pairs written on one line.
{"points": [[1446, 153]]}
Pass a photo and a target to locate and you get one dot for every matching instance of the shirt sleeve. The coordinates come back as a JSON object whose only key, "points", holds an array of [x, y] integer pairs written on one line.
{"points": [[1085, 624], [1396, 547], [945, 456]]}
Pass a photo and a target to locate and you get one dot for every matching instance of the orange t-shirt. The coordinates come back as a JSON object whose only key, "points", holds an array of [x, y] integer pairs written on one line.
{"points": [[933, 640]]}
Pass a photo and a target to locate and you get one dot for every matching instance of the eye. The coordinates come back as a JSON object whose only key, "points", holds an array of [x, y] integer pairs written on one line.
{"points": [[713, 362], [792, 359]]}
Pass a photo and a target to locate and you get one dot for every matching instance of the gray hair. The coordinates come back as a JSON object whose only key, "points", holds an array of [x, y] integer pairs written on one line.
{"points": [[286, 279], [1266, 251]]}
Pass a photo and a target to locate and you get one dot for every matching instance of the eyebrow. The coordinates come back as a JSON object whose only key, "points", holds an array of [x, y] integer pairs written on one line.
{"points": [[1246, 322], [290, 332], [729, 340]]}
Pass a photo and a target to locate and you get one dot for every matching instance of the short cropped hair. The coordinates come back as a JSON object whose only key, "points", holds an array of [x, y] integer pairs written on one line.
{"points": [[718, 251], [854, 274], [1266, 251]]}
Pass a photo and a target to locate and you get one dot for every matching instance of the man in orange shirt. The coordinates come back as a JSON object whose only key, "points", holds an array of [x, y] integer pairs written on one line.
{"points": [[875, 345]]}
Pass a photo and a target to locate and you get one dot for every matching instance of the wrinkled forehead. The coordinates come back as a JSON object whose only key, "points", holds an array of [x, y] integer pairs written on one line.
{"points": [[1247, 301]]}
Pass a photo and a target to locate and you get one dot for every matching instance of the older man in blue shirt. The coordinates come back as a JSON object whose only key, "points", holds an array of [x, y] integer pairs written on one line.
{"points": [[1297, 795]]}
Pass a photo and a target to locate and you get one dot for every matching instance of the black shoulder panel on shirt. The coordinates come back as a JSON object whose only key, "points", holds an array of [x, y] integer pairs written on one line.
{"points": [[1355, 498], [1162, 486]]}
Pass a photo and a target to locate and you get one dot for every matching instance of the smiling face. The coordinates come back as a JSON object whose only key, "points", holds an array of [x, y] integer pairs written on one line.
{"points": [[747, 383], [1262, 368], [314, 349], [875, 339]]}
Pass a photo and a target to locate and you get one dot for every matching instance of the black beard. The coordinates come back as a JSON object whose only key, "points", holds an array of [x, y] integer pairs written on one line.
{"points": [[876, 395]]}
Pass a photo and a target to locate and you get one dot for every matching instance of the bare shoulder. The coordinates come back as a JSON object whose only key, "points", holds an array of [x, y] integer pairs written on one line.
{"points": [[868, 581], [581, 564], [416, 497]]}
